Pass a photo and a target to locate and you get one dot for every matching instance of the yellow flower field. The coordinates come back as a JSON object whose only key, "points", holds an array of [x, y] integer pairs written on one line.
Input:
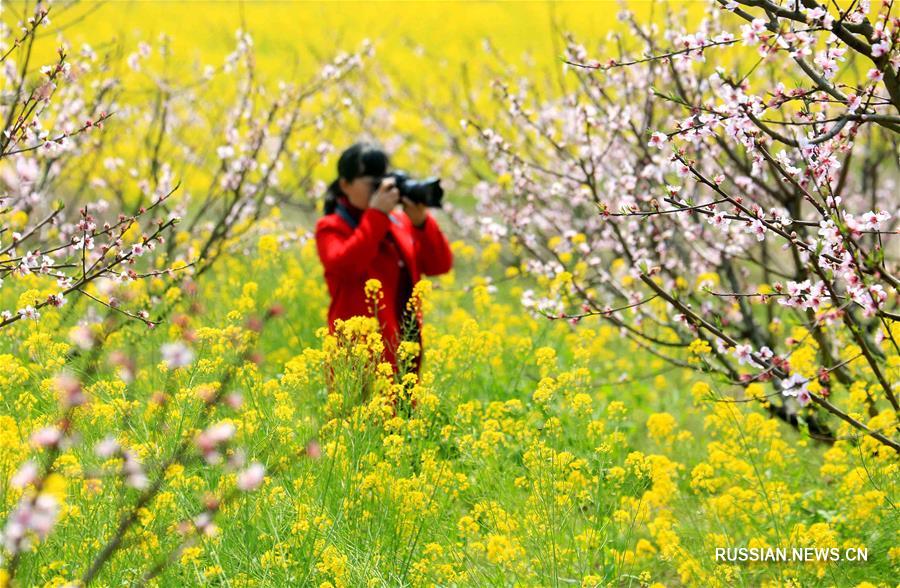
{"points": [[239, 443], [537, 454]]}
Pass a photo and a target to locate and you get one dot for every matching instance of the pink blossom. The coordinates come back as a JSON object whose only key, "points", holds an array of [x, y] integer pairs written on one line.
{"points": [[107, 447], [880, 48], [46, 437], [829, 231], [252, 477], [83, 242], [829, 66], [26, 474], [873, 220], [205, 525], [133, 471], [793, 385], [37, 516], [82, 337], [757, 228], [723, 37], [313, 450], [870, 298], [658, 140], [237, 458], [718, 219], [234, 400], [177, 355], [764, 354], [221, 432], [209, 440], [742, 353], [752, 31], [69, 388], [30, 312]]}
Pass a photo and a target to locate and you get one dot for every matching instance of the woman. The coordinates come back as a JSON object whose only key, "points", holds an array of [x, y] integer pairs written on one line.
{"points": [[360, 238]]}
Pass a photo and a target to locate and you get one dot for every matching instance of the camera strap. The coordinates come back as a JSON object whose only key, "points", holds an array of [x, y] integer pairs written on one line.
{"points": [[348, 218]]}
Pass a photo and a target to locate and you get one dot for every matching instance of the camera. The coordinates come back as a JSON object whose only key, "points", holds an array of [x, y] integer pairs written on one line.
{"points": [[427, 192]]}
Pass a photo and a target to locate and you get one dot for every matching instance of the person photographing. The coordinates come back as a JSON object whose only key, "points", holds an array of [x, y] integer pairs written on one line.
{"points": [[362, 237]]}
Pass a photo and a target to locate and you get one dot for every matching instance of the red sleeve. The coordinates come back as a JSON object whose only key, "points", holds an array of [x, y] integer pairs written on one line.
{"points": [[433, 255], [351, 255]]}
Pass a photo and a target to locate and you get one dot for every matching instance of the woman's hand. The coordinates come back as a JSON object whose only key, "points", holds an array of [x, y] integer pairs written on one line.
{"points": [[386, 197], [416, 211]]}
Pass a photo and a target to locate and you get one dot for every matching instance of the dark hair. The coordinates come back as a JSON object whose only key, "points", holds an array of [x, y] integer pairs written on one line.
{"points": [[360, 159]]}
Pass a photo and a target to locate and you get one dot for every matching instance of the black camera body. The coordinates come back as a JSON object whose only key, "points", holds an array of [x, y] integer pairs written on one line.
{"points": [[427, 192]]}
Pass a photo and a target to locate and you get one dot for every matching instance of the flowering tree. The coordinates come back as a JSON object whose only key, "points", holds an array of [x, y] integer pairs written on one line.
{"points": [[739, 220], [38, 238], [82, 215], [38, 481], [63, 134]]}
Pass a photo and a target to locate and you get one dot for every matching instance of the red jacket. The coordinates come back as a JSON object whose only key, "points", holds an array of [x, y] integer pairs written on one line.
{"points": [[352, 256]]}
